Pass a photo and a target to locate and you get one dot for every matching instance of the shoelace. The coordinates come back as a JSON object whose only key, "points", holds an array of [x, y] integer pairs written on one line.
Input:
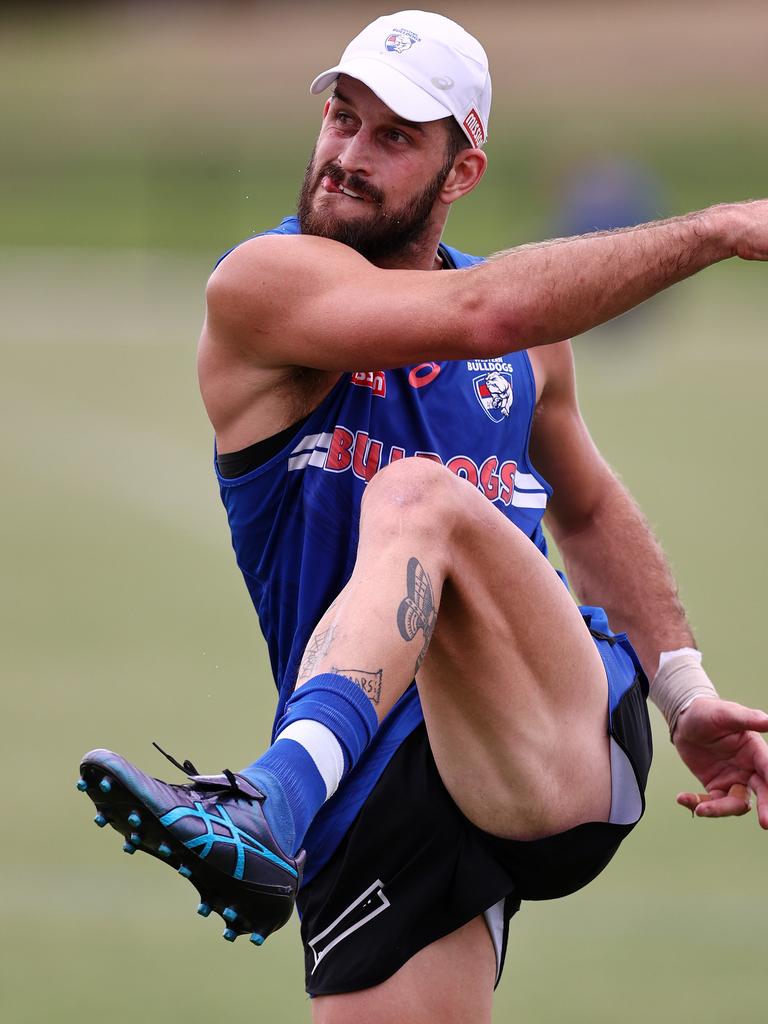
{"points": [[189, 769]]}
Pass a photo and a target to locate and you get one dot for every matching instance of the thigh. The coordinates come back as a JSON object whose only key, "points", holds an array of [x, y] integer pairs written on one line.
{"points": [[450, 981], [513, 690]]}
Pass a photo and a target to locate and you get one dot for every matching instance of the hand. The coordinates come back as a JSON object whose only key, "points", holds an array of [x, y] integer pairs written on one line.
{"points": [[718, 740]]}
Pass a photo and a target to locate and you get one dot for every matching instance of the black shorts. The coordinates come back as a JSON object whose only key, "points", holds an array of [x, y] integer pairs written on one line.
{"points": [[412, 868]]}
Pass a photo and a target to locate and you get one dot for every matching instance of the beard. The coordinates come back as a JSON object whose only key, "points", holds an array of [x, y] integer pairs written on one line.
{"points": [[379, 232]]}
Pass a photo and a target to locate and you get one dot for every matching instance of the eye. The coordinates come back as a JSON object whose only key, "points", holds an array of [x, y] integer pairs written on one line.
{"points": [[394, 135]]}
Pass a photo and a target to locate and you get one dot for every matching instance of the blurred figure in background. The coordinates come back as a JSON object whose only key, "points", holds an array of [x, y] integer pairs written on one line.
{"points": [[602, 193], [607, 192]]}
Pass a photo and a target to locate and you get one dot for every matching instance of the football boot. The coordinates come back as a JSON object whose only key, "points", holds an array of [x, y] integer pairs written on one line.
{"points": [[212, 830]]}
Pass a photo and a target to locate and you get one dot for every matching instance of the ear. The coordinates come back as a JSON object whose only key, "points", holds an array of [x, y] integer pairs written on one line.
{"points": [[468, 168], [326, 107]]}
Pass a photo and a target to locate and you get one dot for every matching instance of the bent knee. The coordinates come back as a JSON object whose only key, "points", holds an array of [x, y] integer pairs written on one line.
{"points": [[411, 479], [419, 492]]}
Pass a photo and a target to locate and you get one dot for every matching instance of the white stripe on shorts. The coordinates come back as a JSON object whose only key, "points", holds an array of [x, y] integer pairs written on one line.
{"points": [[626, 802], [494, 921]]}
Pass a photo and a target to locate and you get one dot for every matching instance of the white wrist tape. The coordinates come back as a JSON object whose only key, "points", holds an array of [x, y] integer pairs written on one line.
{"points": [[677, 684]]}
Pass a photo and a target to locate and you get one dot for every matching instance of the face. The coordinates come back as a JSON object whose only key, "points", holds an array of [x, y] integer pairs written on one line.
{"points": [[373, 179]]}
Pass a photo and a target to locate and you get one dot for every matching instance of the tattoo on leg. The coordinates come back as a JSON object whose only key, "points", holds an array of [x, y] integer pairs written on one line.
{"points": [[317, 648], [369, 682], [417, 609]]}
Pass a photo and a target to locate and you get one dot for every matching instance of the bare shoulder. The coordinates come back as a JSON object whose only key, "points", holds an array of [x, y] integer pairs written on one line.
{"points": [[268, 284], [272, 254], [554, 373], [250, 385]]}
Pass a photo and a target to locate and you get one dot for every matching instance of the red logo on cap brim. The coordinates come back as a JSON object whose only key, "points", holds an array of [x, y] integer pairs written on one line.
{"points": [[473, 126]]}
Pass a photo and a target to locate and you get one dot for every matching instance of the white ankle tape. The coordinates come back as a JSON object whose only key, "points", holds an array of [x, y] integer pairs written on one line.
{"points": [[677, 684]]}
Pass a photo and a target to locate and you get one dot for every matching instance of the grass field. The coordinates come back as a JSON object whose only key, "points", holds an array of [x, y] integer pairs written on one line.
{"points": [[124, 619]]}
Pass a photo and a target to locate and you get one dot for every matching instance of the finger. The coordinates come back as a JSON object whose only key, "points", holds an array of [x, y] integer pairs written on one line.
{"points": [[717, 803], [734, 804], [692, 800]]}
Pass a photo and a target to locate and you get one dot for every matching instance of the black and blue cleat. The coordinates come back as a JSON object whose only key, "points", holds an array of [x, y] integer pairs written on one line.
{"points": [[212, 830]]}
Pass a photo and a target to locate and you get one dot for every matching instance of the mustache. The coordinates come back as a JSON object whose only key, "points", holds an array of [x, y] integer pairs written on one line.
{"points": [[351, 181]]}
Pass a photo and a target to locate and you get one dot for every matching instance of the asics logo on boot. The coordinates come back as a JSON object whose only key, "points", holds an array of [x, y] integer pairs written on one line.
{"points": [[236, 837]]}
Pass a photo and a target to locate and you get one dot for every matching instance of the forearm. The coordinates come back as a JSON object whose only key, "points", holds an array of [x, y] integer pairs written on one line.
{"points": [[545, 292], [615, 561]]}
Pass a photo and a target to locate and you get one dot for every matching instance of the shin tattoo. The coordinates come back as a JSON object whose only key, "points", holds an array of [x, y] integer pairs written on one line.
{"points": [[368, 681], [417, 610]]}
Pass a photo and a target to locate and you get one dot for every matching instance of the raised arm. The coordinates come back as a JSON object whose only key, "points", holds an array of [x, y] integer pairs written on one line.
{"points": [[307, 301]]}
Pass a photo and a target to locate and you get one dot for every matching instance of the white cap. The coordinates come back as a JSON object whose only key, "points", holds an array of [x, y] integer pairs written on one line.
{"points": [[424, 67]]}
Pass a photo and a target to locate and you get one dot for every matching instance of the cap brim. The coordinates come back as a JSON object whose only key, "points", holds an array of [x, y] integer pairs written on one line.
{"points": [[398, 92]]}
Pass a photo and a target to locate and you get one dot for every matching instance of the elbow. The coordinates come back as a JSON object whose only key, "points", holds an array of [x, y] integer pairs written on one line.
{"points": [[488, 326]]}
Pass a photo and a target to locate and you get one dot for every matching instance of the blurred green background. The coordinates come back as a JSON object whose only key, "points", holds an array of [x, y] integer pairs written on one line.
{"points": [[139, 141]]}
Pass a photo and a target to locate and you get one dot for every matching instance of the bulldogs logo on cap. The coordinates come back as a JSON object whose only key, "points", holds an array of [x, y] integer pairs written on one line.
{"points": [[494, 393], [400, 40]]}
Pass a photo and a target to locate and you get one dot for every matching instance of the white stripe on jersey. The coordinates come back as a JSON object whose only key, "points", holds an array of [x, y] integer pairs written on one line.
{"points": [[528, 499], [315, 458], [527, 482], [313, 449], [310, 441]]}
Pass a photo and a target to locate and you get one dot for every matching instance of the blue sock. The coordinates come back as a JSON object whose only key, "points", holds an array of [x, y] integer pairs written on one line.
{"points": [[328, 723]]}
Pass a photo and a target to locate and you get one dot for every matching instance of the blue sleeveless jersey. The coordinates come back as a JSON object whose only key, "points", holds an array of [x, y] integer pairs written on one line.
{"points": [[294, 520]]}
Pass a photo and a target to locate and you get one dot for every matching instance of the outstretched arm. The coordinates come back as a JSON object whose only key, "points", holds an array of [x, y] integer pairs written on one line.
{"points": [[613, 560], [312, 302]]}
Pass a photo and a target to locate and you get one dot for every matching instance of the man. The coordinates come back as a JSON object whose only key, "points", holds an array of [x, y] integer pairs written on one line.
{"points": [[388, 440]]}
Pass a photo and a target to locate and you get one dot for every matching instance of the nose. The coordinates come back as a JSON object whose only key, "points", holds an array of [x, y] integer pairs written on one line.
{"points": [[356, 155]]}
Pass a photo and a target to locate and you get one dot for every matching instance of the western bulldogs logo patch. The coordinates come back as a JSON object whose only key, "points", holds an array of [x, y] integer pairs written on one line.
{"points": [[494, 393], [400, 40]]}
